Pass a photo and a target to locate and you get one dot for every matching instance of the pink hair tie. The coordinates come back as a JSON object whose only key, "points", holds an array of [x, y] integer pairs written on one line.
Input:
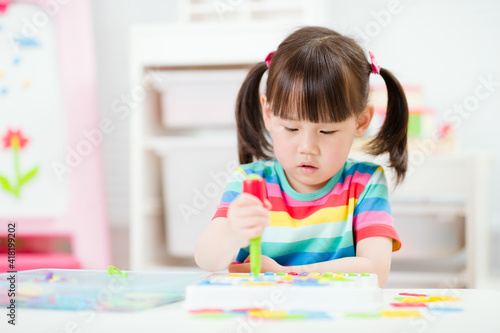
{"points": [[269, 58], [375, 66]]}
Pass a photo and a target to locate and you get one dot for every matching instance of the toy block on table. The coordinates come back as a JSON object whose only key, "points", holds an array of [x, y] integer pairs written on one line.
{"points": [[309, 292]]}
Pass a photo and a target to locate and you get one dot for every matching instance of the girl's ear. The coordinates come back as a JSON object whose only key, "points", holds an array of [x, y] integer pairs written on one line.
{"points": [[266, 111], [364, 121]]}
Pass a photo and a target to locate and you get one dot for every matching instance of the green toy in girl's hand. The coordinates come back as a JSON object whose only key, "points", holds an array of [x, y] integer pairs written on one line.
{"points": [[256, 186]]}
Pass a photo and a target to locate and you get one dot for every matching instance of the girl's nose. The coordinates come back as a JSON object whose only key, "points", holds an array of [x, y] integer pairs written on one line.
{"points": [[308, 145]]}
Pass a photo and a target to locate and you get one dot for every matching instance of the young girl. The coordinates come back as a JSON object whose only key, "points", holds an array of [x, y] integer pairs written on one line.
{"points": [[325, 211]]}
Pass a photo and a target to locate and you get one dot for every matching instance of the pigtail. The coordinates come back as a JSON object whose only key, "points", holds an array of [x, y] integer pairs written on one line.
{"points": [[252, 141], [392, 137]]}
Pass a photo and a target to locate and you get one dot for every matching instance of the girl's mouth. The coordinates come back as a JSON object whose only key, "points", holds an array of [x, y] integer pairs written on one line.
{"points": [[307, 169]]}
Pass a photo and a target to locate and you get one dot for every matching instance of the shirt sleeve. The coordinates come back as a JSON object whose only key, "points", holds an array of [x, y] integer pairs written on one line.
{"points": [[231, 191], [372, 215]]}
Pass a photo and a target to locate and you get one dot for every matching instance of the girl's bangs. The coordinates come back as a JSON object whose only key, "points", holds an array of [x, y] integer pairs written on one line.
{"points": [[314, 87]]}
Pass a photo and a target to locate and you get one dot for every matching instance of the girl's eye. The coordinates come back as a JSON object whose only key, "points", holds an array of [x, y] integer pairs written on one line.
{"points": [[291, 129], [327, 132]]}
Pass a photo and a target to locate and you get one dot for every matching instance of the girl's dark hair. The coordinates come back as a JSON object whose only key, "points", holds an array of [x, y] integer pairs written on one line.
{"points": [[319, 75]]}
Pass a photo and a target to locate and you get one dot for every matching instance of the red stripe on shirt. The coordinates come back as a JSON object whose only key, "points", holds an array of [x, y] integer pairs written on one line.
{"points": [[334, 200], [379, 230]]}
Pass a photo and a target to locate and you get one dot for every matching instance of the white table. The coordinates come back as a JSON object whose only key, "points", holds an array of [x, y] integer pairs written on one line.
{"points": [[481, 314]]}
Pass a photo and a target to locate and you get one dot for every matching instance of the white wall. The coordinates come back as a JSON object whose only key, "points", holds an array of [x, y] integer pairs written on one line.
{"points": [[112, 22]]}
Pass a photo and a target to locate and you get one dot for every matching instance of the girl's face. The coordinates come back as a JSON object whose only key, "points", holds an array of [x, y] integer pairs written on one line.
{"points": [[311, 153]]}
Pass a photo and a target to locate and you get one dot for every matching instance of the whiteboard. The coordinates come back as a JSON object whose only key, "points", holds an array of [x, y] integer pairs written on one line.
{"points": [[31, 102]]}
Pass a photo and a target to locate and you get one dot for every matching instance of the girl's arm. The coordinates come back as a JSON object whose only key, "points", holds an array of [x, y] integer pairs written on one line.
{"points": [[216, 247], [373, 255]]}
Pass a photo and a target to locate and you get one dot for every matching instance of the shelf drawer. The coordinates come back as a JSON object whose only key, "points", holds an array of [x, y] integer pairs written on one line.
{"points": [[429, 237], [199, 98], [194, 179]]}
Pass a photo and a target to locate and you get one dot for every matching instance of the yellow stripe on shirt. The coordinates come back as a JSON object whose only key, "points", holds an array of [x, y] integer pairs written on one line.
{"points": [[324, 215], [241, 170]]}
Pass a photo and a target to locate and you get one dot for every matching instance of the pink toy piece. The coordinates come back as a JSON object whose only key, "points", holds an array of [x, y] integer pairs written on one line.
{"points": [[206, 311], [411, 294], [409, 305]]}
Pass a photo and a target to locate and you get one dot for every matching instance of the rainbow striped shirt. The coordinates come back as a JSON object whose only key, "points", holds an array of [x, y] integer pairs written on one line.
{"points": [[323, 225]]}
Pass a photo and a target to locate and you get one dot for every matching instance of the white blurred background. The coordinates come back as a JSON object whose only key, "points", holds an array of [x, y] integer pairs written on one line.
{"points": [[448, 49]]}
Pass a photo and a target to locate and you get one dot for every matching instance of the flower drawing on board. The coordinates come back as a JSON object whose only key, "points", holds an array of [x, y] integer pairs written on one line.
{"points": [[16, 141]]}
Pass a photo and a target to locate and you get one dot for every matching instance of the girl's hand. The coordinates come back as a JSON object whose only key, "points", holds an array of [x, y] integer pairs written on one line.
{"points": [[267, 264], [247, 218]]}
